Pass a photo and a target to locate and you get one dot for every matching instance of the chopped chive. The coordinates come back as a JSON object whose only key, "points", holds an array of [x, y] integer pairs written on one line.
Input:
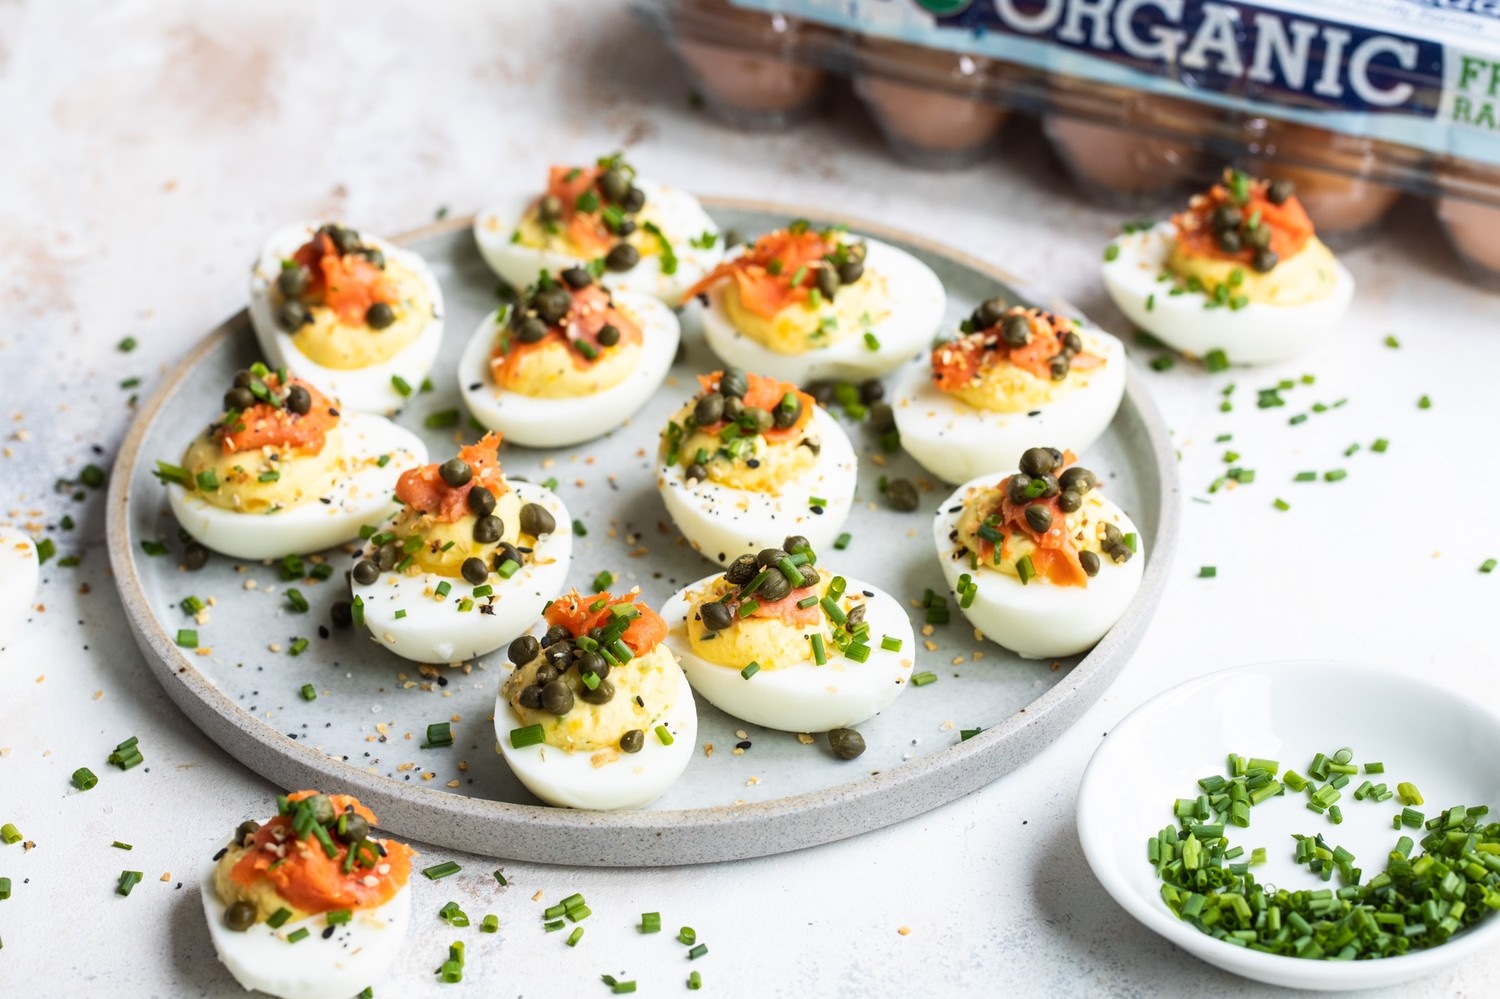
{"points": [[575, 936], [553, 925], [298, 646], [650, 922], [697, 952], [500, 877], [1025, 570], [9, 833], [128, 881], [923, 678], [1488, 565], [1207, 572], [505, 570], [439, 871], [121, 846], [441, 420], [490, 924], [1111, 251], [890, 643], [187, 638], [126, 345], [663, 736], [820, 653], [816, 501], [338, 917], [750, 670], [482, 590], [4, 889], [357, 610], [531, 735], [603, 581], [807, 601], [309, 692], [872, 342], [1282, 504], [687, 935], [297, 600], [1379, 445], [1305, 477], [695, 981], [1424, 403], [84, 779], [1215, 361], [1163, 362], [439, 734], [1335, 475], [401, 385], [276, 919]]}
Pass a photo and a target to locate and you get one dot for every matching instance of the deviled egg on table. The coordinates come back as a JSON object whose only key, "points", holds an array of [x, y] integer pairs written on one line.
{"points": [[780, 642], [570, 361], [597, 713], [647, 237], [1039, 561], [309, 905], [468, 563], [801, 304], [751, 459], [348, 311], [284, 470], [1241, 272], [1013, 373]]}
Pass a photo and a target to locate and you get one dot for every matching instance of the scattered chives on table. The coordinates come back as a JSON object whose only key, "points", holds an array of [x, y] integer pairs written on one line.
{"points": [[439, 871]]}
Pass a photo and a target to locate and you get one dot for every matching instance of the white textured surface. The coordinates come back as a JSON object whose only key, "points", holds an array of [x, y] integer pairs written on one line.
{"points": [[152, 146]]}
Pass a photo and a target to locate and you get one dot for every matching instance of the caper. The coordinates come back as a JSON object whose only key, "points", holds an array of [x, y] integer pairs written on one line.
{"points": [[379, 315], [810, 576], [536, 521], [742, 570], [552, 304], [855, 617], [292, 281], [556, 633], [1090, 563], [1016, 487], [624, 227], [366, 572], [1016, 329], [1069, 501], [1037, 461], [827, 278], [292, 315], [244, 830], [524, 649], [602, 694], [767, 558], [632, 741], [1278, 191], [1119, 553], [757, 419], [577, 277], [342, 614], [709, 409], [634, 201], [902, 494], [474, 570], [1050, 488], [1112, 536], [550, 208], [990, 312], [530, 329], [716, 616], [456, 472], [373, 255], [345, 240], [592, 662], [298, 400], [1258, 238], [846, 743], [507, 552], [775, 587], [387, 555], [530, 696], [1229, 241], [1072, 342], [793, 542], [1077, 479], [353, 828], [695, 472], [1265, 260], [851, 271], [614, 185], [1059, 367], [821, 392], [557, 697], [1226, 217], [559, 656], [622, 257], [487, 530], [786, 414], [871, 391], [733, 407], [481, 501], [733, 383], [194, 556], [1039, 518], [240, 916], [238, 399], [322, 808], [609, 335], [545, 674]]}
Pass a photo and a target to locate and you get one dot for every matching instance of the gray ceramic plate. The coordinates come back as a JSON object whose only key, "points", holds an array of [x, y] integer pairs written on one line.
{"points": [[363, 732]]}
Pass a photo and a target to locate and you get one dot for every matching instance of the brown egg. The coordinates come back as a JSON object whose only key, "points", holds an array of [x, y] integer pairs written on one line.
{"points": [[1472, 225], [742, 62], [929, 102], [1339, 200], [1150, 152]]}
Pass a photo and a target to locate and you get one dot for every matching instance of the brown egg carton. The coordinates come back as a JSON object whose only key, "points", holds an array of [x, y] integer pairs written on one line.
{"points": [[1130, 149]]}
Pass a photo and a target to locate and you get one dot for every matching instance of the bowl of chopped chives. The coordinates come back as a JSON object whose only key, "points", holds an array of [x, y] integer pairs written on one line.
{"points": [[1316, 825]]}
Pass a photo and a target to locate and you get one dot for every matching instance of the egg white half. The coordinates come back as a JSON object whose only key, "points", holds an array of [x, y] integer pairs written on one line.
{"points": [[719, 521], [1254, 334], [1038, 620], [538, 422], [434, 630], [676, 212], [368, 389], [957, 442], [365, 497], [804, 697], [355, 956], [917, 303], [20, 573], [621, 780]]}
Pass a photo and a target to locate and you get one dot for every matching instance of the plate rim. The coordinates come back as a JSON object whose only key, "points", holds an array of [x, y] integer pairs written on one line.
{"points": [[954, 771], [1276, 969]]}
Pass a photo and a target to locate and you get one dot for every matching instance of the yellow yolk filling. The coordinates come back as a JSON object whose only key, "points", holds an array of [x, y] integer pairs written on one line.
{"points": [[1002, 387], [291, 477], [801, 327], [653, 678], [1085, 525], [445, 546], [769, 641], [260, 893], [551, 371], [776, 462], [1310, 276], [329, 341]]}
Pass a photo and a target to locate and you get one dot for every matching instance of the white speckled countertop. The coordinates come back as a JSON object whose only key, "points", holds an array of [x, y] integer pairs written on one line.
{"points": [[150, 147]]}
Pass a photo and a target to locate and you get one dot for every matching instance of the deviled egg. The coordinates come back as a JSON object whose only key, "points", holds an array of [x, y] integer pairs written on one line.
{"points": [[348, 311], [751, 459], [802, 304], [649, 238], [20, 570], [571, 361], [309, 905], [284, 470], [1240, 271], [468, 563], [1039, 561], [1011, 374], [597, 713], [780, 642]]}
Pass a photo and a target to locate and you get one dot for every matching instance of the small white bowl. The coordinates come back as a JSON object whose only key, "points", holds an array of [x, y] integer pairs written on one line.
{"points": [[1443, 742]]}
